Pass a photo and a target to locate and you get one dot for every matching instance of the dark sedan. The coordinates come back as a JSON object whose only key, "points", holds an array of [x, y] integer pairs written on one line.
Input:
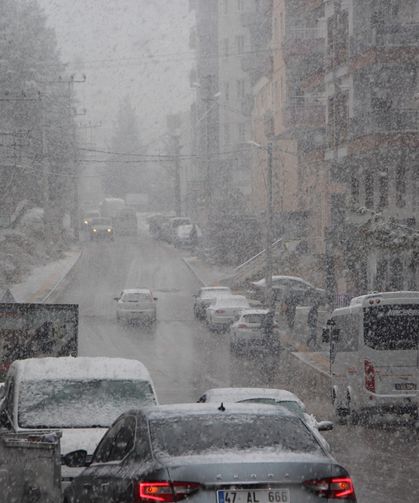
{"points": [[209, 453]]}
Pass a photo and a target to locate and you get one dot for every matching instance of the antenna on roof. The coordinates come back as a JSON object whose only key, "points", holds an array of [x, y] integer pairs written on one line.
{"points": [[221, 407]]}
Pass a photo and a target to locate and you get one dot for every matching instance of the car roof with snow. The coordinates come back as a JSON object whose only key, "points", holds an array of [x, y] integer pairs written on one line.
{"points": [[136, 290], [199, 409], [80, 368], [254, 311], [261, 282], [214, 288], [238, 394], [231, 299]]}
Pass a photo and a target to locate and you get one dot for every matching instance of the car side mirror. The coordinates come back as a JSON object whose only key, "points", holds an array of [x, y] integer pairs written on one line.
{"points": [[155, 298], [116, 298], [325, 425], [76, 459]]}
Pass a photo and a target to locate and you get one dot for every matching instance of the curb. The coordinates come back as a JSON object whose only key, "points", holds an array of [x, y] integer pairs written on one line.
{"points": [[60, 281], [194, 272]]}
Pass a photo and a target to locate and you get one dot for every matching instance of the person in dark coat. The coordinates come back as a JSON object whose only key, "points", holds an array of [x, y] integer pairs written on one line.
{"points": [[312, 319]]}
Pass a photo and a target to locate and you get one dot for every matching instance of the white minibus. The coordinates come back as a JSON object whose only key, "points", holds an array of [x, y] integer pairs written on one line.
{"points": [[374, 355]]}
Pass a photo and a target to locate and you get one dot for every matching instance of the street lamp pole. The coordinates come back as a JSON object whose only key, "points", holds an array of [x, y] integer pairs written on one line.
{"points": [[269, 224]]}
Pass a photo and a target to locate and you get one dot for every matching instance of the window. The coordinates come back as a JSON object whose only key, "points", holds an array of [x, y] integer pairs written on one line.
{"points": [[348, 333], [240, 88], [226, 47], [369, 189], [401, 186], [242, 132], [383, 189], [227, 91], [240, 44], [118, 442]]}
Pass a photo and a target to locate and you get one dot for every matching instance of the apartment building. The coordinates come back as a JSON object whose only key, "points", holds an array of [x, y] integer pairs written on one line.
{"points": [[372, 149]]}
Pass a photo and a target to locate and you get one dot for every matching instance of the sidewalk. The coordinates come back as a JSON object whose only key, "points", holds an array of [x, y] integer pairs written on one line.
{"points": [[44, 280], [207, 274]]}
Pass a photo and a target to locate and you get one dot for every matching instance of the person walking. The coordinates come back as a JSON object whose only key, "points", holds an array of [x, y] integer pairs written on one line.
{"points": [[312, 319]]}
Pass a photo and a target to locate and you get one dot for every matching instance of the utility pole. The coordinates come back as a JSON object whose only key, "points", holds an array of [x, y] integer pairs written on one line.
{"points": [[178, 202], [269, 232]]}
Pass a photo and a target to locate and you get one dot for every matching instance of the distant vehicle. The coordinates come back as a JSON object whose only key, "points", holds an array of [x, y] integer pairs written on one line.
{"points": [[80, 396], [374, 355], [138, 201], [110, 206], [248, 331], [125, 222], [173, 224], [136, 304], [205, 296], [101, 228], [87, 218], [223, 311], [293, 288], [156, 225], [199, 453], [269, 396], [184, 236], [36, 330]]}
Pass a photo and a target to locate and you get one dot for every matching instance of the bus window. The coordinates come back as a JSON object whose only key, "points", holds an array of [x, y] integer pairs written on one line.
{"points": [[393, 327], [348, 332]]}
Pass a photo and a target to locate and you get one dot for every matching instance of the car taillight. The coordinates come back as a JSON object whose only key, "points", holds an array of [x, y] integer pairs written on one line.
{"points": [[220, 311], [369, 376], [164, 491], [337, 488]]}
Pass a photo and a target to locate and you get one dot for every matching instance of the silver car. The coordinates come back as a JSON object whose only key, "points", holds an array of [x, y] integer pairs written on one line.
{"points": [[248, 331], [223, 311], [136, 304], [206, 296], [209, 453]]}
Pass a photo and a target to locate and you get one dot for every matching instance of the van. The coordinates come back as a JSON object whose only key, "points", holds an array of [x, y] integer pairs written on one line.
{"points": [[374, 355]]}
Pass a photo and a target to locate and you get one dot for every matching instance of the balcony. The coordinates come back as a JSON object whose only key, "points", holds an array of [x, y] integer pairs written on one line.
{"points": [[303, 42], [393, 121], [387, 37], [305, 116]]}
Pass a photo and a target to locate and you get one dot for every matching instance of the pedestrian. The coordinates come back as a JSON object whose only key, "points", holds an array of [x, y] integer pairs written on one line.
{"points": [[312, 319], [193, 236], [268, 326], [291, 304]]}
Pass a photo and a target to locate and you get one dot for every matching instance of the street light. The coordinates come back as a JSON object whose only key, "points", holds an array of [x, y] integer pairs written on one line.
{"points": [[268, 245]]}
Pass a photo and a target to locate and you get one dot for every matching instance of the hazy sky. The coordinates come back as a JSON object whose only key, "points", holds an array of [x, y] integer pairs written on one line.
{"points": [[135, 47]]}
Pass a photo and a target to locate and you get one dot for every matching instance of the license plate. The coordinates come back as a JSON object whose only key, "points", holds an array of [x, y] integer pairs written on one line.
{"points": [[254, 496], [405, 386]]}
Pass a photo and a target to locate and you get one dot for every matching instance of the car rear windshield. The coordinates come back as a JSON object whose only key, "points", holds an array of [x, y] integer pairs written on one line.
{"points": [[291, 405], [229, 302], [136, 297], [101, 221], [211, 294], [79, 403], [206, 434], [394, 327]]}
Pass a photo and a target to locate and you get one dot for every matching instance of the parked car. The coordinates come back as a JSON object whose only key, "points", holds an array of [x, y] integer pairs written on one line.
{"points": [[209, 452], [205, 296], [289, 288], [101, 228], [269, 396], [221, 313], [248, 331], [136, 304], [186, 236], [156, 223], [172, 226], [80, 396], [125, 222]]}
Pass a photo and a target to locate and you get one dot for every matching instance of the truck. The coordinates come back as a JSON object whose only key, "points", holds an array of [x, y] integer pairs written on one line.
{"points": [[33, 330], [30, 467]]}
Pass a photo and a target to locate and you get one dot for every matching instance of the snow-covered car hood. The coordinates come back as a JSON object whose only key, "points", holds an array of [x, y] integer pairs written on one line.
{"points": [[81, 438]]}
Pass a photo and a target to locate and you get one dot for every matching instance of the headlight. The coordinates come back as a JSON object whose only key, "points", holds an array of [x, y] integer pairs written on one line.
{"points": [[109, 230], [94, 230], [86, 222]]}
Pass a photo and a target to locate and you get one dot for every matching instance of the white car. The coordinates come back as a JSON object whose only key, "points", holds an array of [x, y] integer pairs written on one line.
{"points": [[248, 331], [269, 396], [223, 311], [206, 296], [136, 304], [80, 396]]}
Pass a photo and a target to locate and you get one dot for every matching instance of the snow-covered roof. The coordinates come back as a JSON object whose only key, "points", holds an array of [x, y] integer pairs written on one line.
{"points": [[385, 296], [215, 288], [136, 290], [80, 368], [276, 278], [255, 311], [231, 300], [238, 394]]}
